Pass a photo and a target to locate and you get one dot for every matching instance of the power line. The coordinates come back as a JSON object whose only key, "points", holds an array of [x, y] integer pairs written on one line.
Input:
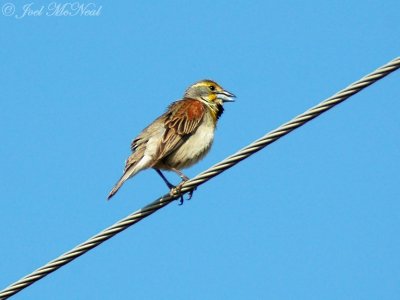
{"points": [[201, 178]]}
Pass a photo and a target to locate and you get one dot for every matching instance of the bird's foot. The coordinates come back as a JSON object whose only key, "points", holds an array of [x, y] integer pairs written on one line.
{"points": [[177, 190]]}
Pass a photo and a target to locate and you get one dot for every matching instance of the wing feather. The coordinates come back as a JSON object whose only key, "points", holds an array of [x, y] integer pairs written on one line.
{"points": [[181, 120]]}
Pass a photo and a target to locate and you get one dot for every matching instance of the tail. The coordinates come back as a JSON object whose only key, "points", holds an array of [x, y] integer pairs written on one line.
{"points": [[128, 174], [133, 165], [116, 187]]}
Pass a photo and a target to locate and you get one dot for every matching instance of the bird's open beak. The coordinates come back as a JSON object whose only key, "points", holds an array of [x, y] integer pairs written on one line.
{"points": [[226, 96]]}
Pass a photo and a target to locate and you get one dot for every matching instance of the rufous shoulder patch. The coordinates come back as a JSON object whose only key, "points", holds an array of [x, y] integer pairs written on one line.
{"points": [[194, 109]]}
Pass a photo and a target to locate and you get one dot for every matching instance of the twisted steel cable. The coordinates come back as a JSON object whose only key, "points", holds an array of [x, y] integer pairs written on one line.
{"points": [[201, 178]]}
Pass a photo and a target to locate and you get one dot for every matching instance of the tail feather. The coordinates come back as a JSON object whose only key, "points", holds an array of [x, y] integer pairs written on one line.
{"points": [[128, 174], [133, 166], [115, 188]]}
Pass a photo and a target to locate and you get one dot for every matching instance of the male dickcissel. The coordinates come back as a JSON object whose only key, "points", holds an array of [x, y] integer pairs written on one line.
{"points": [[181, 136]]}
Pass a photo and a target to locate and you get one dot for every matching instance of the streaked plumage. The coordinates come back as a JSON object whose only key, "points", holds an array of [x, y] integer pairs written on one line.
{"points": [[180, 137]]}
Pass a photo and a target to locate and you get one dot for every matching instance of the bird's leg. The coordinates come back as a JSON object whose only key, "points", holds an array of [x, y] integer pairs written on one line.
{"points": [[181, 175], [169, 184], [184, 179]]}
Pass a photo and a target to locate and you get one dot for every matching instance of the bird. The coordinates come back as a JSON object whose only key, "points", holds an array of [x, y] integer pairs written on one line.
{"points": [[180, 137]]}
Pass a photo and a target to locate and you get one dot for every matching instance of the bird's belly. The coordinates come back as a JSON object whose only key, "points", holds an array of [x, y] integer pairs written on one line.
{"points": [[193, 149]]}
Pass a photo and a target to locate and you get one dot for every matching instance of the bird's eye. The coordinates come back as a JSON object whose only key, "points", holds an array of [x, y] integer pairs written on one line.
{"points": [[212, 87]]}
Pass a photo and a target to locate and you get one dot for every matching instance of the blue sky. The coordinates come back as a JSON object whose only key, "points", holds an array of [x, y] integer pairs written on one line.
{"points": [[314, 216]]}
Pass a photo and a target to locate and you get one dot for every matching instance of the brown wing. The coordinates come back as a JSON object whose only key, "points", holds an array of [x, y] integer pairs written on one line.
{"points": [[140, 143], [181, 120]]}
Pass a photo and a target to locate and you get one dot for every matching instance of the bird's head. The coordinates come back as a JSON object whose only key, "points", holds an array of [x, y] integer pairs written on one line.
{"points": [[209, 92]]}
